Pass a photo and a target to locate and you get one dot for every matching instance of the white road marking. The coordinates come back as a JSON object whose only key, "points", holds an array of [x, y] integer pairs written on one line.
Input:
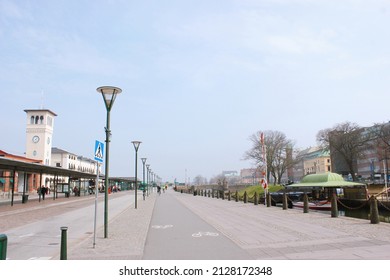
{"points": [[162, 227], [205, 233]]}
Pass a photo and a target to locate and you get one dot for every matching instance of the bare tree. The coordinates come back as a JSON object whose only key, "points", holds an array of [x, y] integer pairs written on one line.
{"points": [[278, 153], [347, 143], [200, 180]]}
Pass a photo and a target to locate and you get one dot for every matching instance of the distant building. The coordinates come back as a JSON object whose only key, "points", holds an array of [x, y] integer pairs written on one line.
{"points": [[65, 159], [24, 181], [312, 160], [250, 176], [229, 173]]}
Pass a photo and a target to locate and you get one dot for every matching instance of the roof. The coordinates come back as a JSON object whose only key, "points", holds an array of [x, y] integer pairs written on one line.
{"points": [[16, 157], [328, 179], [17, 165], [40, 110]]}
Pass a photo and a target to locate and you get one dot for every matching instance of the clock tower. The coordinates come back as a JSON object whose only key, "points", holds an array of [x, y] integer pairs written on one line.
{"points": [[39, 133]]}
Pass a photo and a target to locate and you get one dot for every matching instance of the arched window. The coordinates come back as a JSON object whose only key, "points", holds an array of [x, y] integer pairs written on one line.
{"points": [[41, 119], [36, 119], [32, 120]]}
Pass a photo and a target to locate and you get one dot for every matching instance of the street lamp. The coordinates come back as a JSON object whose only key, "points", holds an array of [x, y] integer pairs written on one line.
{"points": [[143, 176], [136, 146], [147, 178], [109, 94]]}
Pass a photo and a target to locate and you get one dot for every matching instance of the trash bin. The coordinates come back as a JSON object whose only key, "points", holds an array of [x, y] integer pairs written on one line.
{"points": [[24, 198], [3, 246]]}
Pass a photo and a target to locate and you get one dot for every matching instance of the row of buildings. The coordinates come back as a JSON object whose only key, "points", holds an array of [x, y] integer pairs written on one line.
{"points": [[39, 150], [313, 160], [370, 166]]}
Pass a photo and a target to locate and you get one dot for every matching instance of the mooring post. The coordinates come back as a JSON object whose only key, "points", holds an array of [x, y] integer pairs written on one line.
{"points": [[268, 198], [285, 205], [255, 200], [64, 253], [305, 203], [334, 209], [374, 213]]}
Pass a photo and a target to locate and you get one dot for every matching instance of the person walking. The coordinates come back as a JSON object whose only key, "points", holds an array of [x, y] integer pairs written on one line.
{"points": [[43, 192]]}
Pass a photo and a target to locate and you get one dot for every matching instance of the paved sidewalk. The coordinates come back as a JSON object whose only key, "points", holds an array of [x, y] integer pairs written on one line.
{"points": [[126, 236], [264, 232], [274, 233]]}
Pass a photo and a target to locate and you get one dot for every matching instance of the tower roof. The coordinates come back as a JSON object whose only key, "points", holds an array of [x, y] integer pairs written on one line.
{"points": [[40, 110]]}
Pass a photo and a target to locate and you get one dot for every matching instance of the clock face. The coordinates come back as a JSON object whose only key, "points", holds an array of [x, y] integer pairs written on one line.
{"points": [[35, 139]]}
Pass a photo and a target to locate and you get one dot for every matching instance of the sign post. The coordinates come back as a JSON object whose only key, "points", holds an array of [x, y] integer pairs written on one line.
{"points": [[99, 151]]}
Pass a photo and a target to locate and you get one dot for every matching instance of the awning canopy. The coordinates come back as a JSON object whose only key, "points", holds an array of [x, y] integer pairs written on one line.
{"points": [[16, 165], [326, 180]]}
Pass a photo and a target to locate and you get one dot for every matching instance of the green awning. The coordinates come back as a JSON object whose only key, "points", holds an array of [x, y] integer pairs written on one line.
{"points": [[327, 180]]}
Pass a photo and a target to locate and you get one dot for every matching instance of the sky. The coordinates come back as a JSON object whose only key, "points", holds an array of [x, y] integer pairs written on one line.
{"points": [[198, 77]]}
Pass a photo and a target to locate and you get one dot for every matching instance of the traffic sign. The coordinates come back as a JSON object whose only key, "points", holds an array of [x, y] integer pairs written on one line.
{"points": [[99, 151]]}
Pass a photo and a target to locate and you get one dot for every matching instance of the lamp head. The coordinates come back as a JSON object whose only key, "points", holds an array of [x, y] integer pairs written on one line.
{"points": [[109, 94], [136, 145]]}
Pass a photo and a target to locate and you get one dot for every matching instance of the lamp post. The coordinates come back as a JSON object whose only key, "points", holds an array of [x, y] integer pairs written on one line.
{"points": [[109, 94], [136, 146], [147, 178], [143, 176]]}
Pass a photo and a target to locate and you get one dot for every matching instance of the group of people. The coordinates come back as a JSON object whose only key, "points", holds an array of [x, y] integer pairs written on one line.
{"points": [[163, 188]]}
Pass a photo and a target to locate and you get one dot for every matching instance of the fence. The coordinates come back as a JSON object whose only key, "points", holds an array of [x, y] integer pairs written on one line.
{"points": [[256, 199]]}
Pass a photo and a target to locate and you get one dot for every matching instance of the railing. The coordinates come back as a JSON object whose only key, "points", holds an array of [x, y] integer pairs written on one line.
{"points": [[287, 202]]}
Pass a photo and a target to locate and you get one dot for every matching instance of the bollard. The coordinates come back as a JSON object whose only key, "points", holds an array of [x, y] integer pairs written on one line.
{"points": [[334, 210], [245, 197], [223, 195], [305, 203], [229, 196], [255, 201], [64, 253], [268, 198], [237, 198], [285, 201], [3, 247], [209, 193], [374, 213]]}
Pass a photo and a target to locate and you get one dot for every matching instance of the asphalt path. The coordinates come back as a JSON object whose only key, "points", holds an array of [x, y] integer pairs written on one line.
{"points": [[176, 233]]}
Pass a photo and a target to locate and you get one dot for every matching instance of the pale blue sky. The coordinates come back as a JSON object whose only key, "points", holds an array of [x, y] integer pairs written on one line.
{"points": [[198, 77]]}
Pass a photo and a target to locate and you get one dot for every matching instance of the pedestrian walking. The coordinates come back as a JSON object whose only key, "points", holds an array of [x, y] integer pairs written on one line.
{"points": [[43, 192]]}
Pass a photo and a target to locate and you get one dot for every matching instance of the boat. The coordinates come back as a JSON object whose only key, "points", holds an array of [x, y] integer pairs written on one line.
{"points": [[324, 205]]}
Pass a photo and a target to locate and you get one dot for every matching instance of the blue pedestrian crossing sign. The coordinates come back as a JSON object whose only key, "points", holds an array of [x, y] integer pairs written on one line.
{"points": [[99, 151]]}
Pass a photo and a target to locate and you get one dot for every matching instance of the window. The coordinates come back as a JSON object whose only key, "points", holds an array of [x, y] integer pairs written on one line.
{"points": [[36, 119], [32, 120], [41, 119]]}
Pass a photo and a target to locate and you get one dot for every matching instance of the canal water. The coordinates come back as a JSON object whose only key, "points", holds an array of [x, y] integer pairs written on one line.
{"points": [[364, 213]]}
